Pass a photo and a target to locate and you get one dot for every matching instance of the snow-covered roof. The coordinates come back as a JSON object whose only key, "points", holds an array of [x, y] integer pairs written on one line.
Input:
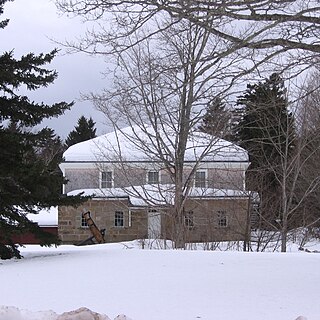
{"points": [[45, 217], [156, 194], [119, 145]]}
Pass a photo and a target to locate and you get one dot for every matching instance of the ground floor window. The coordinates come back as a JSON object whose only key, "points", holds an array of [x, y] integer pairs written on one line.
{"points": [[222, 219], [118, 219], [84, 223], [188, 219]]}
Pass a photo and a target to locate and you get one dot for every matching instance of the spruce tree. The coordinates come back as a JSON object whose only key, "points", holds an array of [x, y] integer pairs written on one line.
{"points": [[84, 130], [216, 119], [28, 179], [267, 132]]}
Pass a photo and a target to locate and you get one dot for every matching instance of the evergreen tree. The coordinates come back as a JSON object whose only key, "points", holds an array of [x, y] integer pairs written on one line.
{"points": [[267, 132], [83, 131], [28, 180], [51, 153], [216, 119], [3, 23]]}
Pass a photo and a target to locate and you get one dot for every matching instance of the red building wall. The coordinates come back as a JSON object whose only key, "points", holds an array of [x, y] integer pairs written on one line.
{"points": [[29, 238]]}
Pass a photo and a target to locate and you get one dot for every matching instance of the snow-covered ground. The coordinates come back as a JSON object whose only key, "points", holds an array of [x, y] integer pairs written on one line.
{"points": [[115, 279]]}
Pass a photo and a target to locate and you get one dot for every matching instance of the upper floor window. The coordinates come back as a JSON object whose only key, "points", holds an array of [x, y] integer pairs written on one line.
{"points": [[153, 177], [200, 179], [222, 219], [118, 219], [106, 179]]}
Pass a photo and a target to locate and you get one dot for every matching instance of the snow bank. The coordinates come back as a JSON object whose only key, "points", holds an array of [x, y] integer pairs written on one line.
{"points": [[150, 284], [13, 313]]}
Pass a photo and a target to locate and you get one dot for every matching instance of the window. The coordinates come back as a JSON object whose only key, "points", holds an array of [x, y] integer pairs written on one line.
{"points": [[84, 223], [222, 219], [106, 179], [118, 219], [188, 220], [153, 177], [200, 179]]}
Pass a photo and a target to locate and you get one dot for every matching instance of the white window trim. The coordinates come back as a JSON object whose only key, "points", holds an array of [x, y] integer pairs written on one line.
{"points": [[123, 218], [159, 176], [83, 222], [129, 218], [100, 178], [205, 178]]}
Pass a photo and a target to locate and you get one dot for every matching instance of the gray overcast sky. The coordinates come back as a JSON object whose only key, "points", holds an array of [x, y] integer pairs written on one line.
{"points": [[33, 23]]}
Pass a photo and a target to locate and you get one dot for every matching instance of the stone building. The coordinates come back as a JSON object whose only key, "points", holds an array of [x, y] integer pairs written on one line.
{"points": [[132, 190]]}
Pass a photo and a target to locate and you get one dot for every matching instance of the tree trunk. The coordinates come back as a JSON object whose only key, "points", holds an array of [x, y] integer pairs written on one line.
{"points": [[178, 236], [284, 228], [284, 232], [246, 242]]}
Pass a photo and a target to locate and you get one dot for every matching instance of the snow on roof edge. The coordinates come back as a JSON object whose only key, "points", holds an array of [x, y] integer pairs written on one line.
{"points": [[95, 149], [157, 196]]}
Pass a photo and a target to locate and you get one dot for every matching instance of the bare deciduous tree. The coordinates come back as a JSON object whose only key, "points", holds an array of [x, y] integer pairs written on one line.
{"points": [[284, 33], [205, 47], [283, 146], [308, 115], [161, 89]]}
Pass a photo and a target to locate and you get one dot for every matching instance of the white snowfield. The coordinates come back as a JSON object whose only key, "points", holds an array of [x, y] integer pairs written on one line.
{"points": [[121, 279]]}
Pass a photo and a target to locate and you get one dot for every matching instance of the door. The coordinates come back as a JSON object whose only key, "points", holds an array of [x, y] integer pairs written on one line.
{"points": [[154, 224]]}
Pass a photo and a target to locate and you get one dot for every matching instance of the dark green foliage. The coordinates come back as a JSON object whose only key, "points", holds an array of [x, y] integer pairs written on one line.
{"points": [[29, 179], [83, 131], [3, 23], [266, 127], [216, 120], [267, 132]]}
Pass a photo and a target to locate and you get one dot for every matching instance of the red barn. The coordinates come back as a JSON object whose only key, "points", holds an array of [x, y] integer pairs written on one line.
{"points": [[47, 219]]}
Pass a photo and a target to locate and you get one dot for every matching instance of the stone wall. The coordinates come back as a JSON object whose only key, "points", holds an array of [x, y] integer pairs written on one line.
{"points": [[81, 179], [221, 178], [103, 214], [207, 223]]}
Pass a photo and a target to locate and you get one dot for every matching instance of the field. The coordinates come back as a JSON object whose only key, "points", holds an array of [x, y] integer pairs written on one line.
{"points": [[121, 278]]}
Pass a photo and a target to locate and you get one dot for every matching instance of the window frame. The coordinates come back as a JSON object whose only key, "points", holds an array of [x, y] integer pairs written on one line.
{"points": [[118, 219], [189, 219], [200, 183], [106, 183], [157, 175], [222, 219], [83, 222]]}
